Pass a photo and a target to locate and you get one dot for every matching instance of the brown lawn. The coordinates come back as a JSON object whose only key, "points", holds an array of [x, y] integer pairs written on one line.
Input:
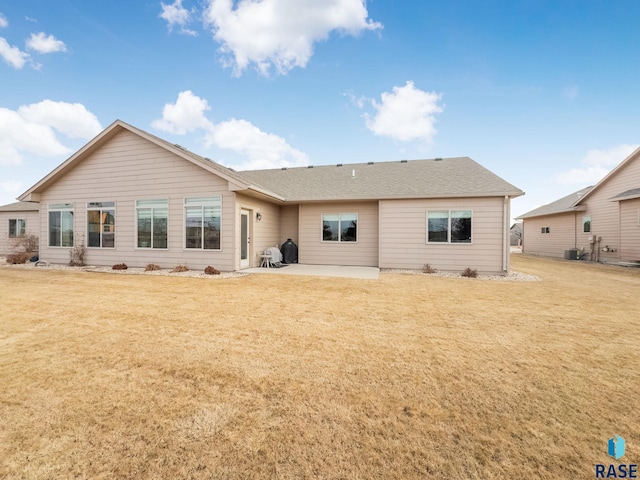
{"points": [[121, 376]]}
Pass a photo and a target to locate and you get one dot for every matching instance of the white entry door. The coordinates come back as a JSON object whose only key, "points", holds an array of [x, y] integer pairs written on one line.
{"points": [[245, 240]]}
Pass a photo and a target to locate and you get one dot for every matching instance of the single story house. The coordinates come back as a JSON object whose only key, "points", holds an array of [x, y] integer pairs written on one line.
{"points": [[132, 197], [516, 234], [17, 219], [598, 223]]}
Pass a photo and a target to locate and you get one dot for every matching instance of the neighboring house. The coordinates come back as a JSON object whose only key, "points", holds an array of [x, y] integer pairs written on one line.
{"points": [[601, 222], [132, 197], [16, 220], [516, 234]]}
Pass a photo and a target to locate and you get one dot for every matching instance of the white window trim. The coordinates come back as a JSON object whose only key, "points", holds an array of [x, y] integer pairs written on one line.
{"points": [[61, 207], [340, 241], [449, 242], [115, 214], [135, 239], [184, 223]]}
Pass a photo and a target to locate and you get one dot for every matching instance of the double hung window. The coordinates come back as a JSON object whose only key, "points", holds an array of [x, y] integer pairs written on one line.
{"points": [[17, 228]]}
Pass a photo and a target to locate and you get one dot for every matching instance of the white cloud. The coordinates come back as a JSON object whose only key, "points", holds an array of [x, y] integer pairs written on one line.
{"points": [[186, 115], [18, 135], [597, 163], [405, 114], [261, 149], [280, 33], [11, 186], [43, 43], [176, 15], [4, 23], [30, 129], [12, 55], [70, 119]]}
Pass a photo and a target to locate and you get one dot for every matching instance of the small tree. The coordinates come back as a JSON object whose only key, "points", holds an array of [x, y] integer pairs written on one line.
{"points": [[24, 244], [76, 254]]}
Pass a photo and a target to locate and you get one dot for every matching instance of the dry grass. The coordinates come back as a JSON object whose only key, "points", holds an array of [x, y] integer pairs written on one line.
{"points": [[114, 376]]}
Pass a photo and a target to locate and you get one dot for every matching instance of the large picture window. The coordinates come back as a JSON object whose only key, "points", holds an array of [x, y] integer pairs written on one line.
{"points": [[17, 227], [152, 220], [101, 224], [202, 222], [449, 226], [61, 225], [340, 227]]}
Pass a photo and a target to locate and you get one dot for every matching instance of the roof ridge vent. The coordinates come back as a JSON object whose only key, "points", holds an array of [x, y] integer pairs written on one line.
{"points": [[179, 146], [369, 163], [403, 161], [439, 159], [284, 168], [309, 166]]}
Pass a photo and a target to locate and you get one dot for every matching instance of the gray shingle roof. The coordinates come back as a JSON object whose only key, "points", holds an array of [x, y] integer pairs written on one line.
{"points": [[449, 177], [629, 194], [20, 207], [565, 204]]}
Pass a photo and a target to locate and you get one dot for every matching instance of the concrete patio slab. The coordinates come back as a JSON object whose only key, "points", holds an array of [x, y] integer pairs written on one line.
{"points": [[367, 273]]}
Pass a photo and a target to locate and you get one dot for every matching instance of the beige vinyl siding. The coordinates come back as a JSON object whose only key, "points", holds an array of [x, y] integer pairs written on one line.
{"points": [[403, 234], [605, 213], [32, 219], [312, 250], [264, 233], [561, 236], [630, 230], [130, 168], [289, 223]]}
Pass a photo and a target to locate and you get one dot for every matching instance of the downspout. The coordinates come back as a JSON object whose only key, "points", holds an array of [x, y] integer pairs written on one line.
{"points": [[619, 231], [505, 234]]}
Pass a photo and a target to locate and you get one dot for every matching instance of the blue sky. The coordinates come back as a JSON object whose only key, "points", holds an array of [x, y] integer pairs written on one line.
{"points": [[543, 93]]}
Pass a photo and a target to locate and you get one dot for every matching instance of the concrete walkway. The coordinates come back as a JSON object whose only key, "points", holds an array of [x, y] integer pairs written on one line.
{"points": [[368, 273]]}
